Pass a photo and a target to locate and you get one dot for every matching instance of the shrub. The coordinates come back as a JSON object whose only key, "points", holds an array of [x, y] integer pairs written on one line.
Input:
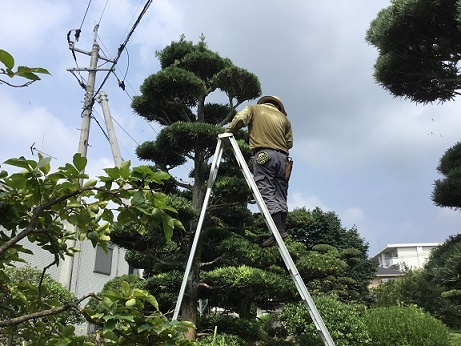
{"points": [[222, 339], [455, 339], [115, 284], [405, 326], [42, 294], [230, 325], [343, 322]]}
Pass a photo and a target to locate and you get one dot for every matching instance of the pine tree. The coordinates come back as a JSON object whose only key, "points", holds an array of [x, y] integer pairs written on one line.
{"points": [[176, 98]]}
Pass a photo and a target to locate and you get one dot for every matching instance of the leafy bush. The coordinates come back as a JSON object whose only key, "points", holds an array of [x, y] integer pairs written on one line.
{"points": [[222, 339], [37, 199], [455, 339], [115, 284], [42, 294], [407, 290], [231, 326], [405, 326], [343, 322]]}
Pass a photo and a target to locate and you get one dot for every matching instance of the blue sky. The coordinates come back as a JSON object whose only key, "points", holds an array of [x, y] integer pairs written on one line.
{"points": [[358, 151]]}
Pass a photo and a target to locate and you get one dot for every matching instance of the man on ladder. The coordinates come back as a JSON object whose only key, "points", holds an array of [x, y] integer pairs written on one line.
{"points": [[271, 138]]}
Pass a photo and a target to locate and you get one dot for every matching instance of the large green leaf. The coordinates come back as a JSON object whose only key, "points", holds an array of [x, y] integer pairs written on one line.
{"points": [[7, 59]]}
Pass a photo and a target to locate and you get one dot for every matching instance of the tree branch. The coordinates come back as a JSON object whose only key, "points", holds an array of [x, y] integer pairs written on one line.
{"points": [[41, 279], [17, 86], [205, 264], [31, 227], [72, 305]]}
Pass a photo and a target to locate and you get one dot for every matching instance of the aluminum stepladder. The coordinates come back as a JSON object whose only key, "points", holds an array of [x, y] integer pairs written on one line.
{"points": [[306, 297]]}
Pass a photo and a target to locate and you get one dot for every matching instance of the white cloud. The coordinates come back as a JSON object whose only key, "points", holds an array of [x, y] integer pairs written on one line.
{"points": [[300, 200], [36, 126]]}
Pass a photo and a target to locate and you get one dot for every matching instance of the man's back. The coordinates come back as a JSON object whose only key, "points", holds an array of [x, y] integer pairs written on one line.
{"points": [[269, 128]]}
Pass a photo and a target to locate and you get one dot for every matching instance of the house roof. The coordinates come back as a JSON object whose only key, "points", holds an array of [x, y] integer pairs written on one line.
{"points": [[381, 271]]}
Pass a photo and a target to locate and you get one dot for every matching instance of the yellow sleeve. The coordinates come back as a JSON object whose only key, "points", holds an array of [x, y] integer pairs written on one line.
{"points": [[289, 136], [241, 119]]}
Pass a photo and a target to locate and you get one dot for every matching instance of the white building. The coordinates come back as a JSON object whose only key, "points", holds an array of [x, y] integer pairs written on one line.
{"points": [[405, 256]]}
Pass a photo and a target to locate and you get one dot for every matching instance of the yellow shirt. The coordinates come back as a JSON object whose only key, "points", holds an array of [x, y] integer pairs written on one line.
{"points": [[268, 127]]}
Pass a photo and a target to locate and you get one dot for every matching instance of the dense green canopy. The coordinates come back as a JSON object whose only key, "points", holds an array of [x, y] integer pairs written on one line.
{"points": [[419, 45]]}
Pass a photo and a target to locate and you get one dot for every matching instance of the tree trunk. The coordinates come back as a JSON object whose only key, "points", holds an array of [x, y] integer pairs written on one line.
{"points": [[189, 307]]}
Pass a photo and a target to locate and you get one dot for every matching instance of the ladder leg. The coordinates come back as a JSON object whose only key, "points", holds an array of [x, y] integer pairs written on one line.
{"points": [[316, 318], [211, 179]]}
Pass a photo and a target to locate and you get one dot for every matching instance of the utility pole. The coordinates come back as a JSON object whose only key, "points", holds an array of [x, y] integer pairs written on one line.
{"points": [[89, 99], [68, 263], [103, 100]]}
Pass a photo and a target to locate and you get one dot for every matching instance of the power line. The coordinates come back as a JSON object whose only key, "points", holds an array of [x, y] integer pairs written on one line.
{"points": [[122, 46], [84, 16], [102, 13], [110, 70]]}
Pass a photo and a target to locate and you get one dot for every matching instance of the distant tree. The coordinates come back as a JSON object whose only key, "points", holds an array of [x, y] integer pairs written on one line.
{"points": [[419, 58], [441, 279], [316, 227], [30, 73], [419, 44], [410, 289], [436, 288], [447, 191]]}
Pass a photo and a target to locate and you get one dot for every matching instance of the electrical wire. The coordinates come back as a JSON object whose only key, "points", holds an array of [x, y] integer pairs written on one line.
{"points": [[76, 38], [121, 82], [103, 10], [84, 16], [123, 45]]}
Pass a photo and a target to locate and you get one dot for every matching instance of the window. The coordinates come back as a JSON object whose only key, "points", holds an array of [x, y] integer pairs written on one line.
{"points": [[103, 263]]}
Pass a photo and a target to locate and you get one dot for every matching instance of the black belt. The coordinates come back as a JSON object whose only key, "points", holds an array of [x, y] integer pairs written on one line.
{"points": [[277, 150]]}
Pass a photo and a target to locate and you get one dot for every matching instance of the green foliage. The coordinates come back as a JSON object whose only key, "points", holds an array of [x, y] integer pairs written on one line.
{"points": [[406, 326], [447, 191], [95, 304], [190, 72], [237, 83], [165, 286], [43, 201], [240, 331], [454, 339], [23, 292], [243, 286], [30, 73], [441, 280], [340, 261], [418, 43], [343, 321], [435, 288], [407, 290], [222, 339], [124, 322], [176, 97], [39, 202], [173, 143]]}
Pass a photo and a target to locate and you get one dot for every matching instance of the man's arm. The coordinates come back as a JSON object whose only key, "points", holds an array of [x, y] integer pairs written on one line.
{"points": [[240, 120], [289, 136]]}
